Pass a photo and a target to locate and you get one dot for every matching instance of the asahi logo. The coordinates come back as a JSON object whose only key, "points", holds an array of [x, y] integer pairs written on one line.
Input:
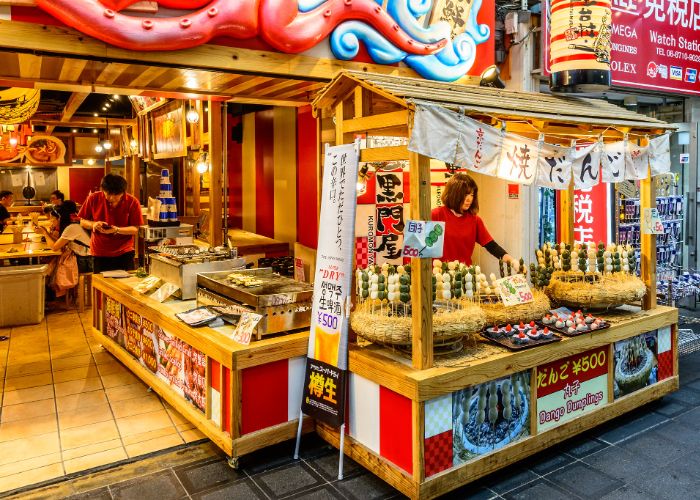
{"points": [[652, 69]]}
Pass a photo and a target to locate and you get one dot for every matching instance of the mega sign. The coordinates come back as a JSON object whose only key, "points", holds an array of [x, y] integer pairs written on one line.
{"points": [[444, 49], [655, 44]]}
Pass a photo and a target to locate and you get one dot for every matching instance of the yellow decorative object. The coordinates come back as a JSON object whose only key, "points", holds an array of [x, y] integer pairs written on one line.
{"points": [[17, 105]]}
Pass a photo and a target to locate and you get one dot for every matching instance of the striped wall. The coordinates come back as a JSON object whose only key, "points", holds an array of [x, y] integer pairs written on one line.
{"points": [[273, 175]]}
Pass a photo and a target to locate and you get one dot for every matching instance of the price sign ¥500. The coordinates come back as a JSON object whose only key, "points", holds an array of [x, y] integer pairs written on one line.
{"points": [[514, 290], [423, 239]]}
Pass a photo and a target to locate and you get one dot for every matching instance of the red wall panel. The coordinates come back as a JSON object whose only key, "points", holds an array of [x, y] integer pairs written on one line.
{"points": [[264, 396], [235, 177], [307, 178], [264, 173], [83, 180], [395, 427]]}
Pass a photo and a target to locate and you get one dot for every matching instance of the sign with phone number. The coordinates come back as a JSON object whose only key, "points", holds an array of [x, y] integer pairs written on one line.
{"points": [[570, 387]]}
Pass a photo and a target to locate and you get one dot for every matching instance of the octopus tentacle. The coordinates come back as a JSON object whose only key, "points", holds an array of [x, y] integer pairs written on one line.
{"points": [[236, 19], [287, 29]]}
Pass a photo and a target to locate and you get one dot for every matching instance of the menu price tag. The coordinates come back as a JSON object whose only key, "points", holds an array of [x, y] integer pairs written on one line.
{"points": [[423, 239], [245, 327], [514, 290], [652, 222]]}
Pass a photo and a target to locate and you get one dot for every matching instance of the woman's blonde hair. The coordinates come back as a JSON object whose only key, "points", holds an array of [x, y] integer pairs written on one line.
{"points": [[456, 189]]}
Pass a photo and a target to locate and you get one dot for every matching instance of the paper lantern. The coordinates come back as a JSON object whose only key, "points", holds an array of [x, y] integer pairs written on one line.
{"points": [[17, 105], [580, 45]]}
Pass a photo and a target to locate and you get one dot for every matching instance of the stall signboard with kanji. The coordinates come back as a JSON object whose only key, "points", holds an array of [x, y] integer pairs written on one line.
{"points": [[654, 44], [132, 334], [326, 367], [571, 387], [591, 214]]}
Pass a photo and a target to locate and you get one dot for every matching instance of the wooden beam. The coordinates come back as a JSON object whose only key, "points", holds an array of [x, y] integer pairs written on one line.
{"points": [[63, 40], [388, 153], [377, 122], [74, 102], [29, 66], [421, 277], [84, 121], [217, 163], [110, 73], [647, 200], [72, 69], [263, 101], [242, 87]]}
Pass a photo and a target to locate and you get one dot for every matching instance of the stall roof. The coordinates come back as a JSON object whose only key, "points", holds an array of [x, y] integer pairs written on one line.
{"points": [[488, 101]]}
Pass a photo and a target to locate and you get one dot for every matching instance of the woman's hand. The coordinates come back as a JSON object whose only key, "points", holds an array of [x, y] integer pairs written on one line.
{"points": [[507, 258]]}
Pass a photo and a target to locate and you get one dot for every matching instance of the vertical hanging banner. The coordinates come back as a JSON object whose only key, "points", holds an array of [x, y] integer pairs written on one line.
{"points": [[327, 363]]}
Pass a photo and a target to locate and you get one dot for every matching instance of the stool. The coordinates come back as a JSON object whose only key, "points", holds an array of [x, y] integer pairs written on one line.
{"points": [[83, 292]]}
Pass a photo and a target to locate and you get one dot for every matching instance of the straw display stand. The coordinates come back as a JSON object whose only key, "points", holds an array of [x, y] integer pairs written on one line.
{"points": [[607, 291], [498, 314], [375, 324]]}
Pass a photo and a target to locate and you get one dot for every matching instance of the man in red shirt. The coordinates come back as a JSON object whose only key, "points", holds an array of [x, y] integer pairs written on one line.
{"points": [[114, 217]]}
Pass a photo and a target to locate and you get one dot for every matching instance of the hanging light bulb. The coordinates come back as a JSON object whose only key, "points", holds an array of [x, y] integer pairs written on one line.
{"points": [[13, 141], [98, 148], [192, 115], [107, 145], [202, 164]]}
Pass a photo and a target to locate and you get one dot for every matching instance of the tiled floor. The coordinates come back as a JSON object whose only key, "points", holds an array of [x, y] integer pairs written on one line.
{"points": [[651, 453], [68, 405]]}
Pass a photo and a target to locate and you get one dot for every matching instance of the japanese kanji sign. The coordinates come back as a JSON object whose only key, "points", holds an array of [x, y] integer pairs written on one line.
{"points": [[479, 147], [586, 166], [518, 161], [324, 380], [591, 214], [554, 166], [423, 239], [612, 162], [571, 387]]}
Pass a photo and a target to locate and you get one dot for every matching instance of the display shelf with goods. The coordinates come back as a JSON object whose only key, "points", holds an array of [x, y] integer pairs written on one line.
{"points": [[671, 209], [429, 411]]}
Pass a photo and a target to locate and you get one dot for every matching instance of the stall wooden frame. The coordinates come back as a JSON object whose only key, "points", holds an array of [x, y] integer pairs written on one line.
{"points": [[227, 361], [356, 103]]}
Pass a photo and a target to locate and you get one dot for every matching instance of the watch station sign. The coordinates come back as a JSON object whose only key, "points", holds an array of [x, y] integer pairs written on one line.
{"points": [[655, 44]]}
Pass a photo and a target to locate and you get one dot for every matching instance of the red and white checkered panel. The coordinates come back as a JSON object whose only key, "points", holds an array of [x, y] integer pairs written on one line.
{"points": [[665, 353], [362, 252], [438, 435]]}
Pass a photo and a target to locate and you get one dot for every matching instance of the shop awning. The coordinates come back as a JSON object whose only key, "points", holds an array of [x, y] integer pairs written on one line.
{"points": [[496, 103]]}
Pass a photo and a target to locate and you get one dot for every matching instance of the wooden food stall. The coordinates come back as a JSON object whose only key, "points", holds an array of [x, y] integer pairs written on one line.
{"points": [[428, 424], [242, 397]]}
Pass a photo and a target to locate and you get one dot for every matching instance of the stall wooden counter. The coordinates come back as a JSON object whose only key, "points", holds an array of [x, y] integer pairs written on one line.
{"points": [[404, 422], [242, 397]]}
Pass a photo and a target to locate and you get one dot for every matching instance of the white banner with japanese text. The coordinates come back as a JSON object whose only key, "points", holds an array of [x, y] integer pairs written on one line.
{"points": [[636, 162], [518, 161], [612, 162], [585, 163], [324, 380], [478, 147], [554, 166], [660, 154]]}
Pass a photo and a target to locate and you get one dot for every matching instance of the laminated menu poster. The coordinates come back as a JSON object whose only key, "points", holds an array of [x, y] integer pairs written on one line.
{"points": [[114, 325], [195, 376], [132, 333], [171, 360], [149, 341]]}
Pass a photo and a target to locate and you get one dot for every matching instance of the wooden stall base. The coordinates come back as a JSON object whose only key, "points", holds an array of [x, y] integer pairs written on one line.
{"points": [[449, 480]]}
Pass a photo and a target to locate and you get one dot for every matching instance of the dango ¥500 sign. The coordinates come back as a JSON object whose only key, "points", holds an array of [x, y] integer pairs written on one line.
{"points": [[446, 49], [571, 387], [655, 44]]}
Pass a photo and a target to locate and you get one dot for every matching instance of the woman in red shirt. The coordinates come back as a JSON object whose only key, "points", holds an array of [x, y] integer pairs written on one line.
{"points": [[463, 227]]}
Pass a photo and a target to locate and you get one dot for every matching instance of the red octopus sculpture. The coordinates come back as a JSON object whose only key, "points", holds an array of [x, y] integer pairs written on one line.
{"points": [[278, 22]]}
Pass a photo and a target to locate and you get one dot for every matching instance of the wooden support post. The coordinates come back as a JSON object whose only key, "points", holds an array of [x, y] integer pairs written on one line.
{"points": [[565, 217], [421, 277], [647, 200], [339, 116], [134, 179], [216, 162]]}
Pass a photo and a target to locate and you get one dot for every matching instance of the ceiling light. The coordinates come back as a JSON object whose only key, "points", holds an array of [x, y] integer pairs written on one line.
{"points": [[191, 83], [107, 105], [94, 131], [491, 77], [116, 97], [98, 148], [75, 130], [13, 141], [104, 108], [192, 115], [107, 145], [91, 161], [95, 114]]}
